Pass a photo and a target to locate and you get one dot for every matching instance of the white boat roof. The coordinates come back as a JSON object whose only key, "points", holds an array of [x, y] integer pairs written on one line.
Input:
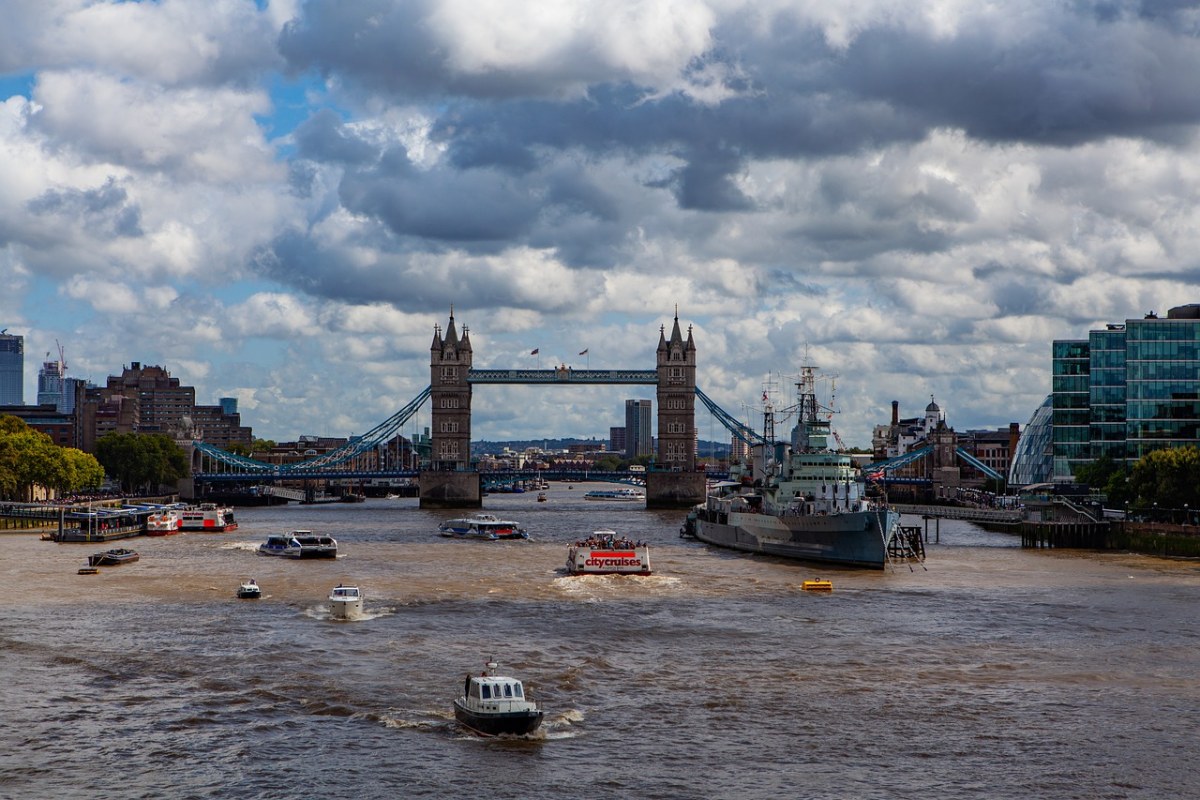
{"points": [[344, 591]]}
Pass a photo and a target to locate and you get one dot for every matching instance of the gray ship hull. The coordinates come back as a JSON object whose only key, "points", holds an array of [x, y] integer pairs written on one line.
{"points": [[856, 538]]}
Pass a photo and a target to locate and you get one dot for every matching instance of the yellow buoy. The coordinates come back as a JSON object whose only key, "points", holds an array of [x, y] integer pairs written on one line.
{"points": [[817, 586]]}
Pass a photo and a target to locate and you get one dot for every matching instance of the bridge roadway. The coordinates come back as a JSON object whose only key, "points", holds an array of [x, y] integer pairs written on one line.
{"points": [[577, 475], [564, 375]]}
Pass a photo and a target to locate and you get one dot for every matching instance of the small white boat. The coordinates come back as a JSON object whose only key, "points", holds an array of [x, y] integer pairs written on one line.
{"points": [[208, 517], [249, 590], [345, 602], [615, 494], [606, 553], [482, 526], [494, 704]]}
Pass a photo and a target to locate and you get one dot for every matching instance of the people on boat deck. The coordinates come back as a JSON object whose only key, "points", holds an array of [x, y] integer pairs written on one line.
{"points": [[609, 542]]}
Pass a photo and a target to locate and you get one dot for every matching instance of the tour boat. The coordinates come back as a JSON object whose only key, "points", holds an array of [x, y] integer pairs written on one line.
{"points": [[163, 523], [494, 705], [605, 553], [111, 558], [207, 517], [249, 590], [345, 602], [482, 526], [299, 544], [615, 494]]}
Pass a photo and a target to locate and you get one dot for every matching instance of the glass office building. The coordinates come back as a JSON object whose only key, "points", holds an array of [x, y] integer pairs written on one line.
{"points": [[12, 369], [1127, 390], [1033, 460]]}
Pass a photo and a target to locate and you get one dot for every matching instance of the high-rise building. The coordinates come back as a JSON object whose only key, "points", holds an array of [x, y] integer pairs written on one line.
{"points": [[52, 384], [638, 438], [616, 439], [1126, 391], [12, 369]]}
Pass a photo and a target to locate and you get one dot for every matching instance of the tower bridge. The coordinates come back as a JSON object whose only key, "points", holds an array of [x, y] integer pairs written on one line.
{"points": [[448, 481]]}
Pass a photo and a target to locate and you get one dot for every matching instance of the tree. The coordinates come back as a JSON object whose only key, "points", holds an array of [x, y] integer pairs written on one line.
{"points": [[142, 461], [1169, 478], [30, 458]]}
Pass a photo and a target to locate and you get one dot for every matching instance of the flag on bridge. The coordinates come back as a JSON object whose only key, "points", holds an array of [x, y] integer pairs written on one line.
{"points": [[535, 351], [583, 352]]}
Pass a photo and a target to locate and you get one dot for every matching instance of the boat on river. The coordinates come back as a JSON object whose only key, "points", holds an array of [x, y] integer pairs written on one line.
{"points": [[164, 522], [299, 544], [113, 558], [249, 590], [482, 526], [208, 517], [803, 500], [496, 705], [345, 602], [619, 495], [606, 553]]}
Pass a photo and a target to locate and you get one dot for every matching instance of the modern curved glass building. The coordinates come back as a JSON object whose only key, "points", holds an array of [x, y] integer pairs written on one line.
{"points": [[1033, 460]]}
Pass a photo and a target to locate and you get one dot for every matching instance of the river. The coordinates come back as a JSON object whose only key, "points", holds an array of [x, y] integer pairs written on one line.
{"points": [[989, 671]]}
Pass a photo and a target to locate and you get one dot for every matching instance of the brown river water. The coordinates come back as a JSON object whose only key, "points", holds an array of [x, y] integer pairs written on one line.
{"points": [[988, 672]]}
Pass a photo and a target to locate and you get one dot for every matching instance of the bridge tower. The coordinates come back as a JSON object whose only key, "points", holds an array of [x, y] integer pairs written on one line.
{"points": [[675, 482], [676, 400], [448, 484]]}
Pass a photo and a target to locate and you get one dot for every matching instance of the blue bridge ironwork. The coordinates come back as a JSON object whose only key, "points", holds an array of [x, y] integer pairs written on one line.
{"points": [[356, 460]]}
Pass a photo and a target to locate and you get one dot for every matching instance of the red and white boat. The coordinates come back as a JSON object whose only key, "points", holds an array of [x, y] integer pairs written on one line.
{"points": [[164, 522], [606, 553], [207, 517]]}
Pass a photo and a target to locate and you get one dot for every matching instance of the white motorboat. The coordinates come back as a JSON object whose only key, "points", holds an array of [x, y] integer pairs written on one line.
{"points": [[345, 602], [249, 590], [494, 704]]}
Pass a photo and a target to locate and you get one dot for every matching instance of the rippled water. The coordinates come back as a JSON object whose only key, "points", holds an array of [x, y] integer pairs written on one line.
{"points": [[990, 671]]}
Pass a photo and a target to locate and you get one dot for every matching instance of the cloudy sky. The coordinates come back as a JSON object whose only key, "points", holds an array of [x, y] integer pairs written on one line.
{"points": [[279, 201]]}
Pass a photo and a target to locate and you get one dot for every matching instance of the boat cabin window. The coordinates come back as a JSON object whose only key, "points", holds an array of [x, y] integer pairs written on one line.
{"points": [[507, 690], [516, 690], [474, 692], [487, 692]]}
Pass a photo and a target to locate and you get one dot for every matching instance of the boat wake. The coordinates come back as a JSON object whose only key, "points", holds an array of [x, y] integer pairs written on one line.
{"points": [[597, 587], [322, 613], [247, 546]]}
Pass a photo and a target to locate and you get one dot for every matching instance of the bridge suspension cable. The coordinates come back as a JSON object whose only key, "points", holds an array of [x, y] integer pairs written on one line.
{"points": [[380, 434], [735, 426]]}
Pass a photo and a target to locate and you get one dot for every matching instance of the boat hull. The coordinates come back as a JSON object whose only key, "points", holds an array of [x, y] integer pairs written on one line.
{"points": [[249, 594], [510, 723], [112, 558], [345, 609], [856, 538]]}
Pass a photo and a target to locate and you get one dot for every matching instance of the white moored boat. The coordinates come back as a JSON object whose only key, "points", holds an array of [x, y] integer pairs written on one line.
{"points": [[164, 522], [605, 553], [615, 494], [345, 602], [492, 705], [207, 517], [482, 526]]}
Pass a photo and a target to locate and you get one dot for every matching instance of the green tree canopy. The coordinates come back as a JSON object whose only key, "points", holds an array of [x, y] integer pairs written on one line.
{"points": [[1169, 477], [30, 458], [142, 462]]}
